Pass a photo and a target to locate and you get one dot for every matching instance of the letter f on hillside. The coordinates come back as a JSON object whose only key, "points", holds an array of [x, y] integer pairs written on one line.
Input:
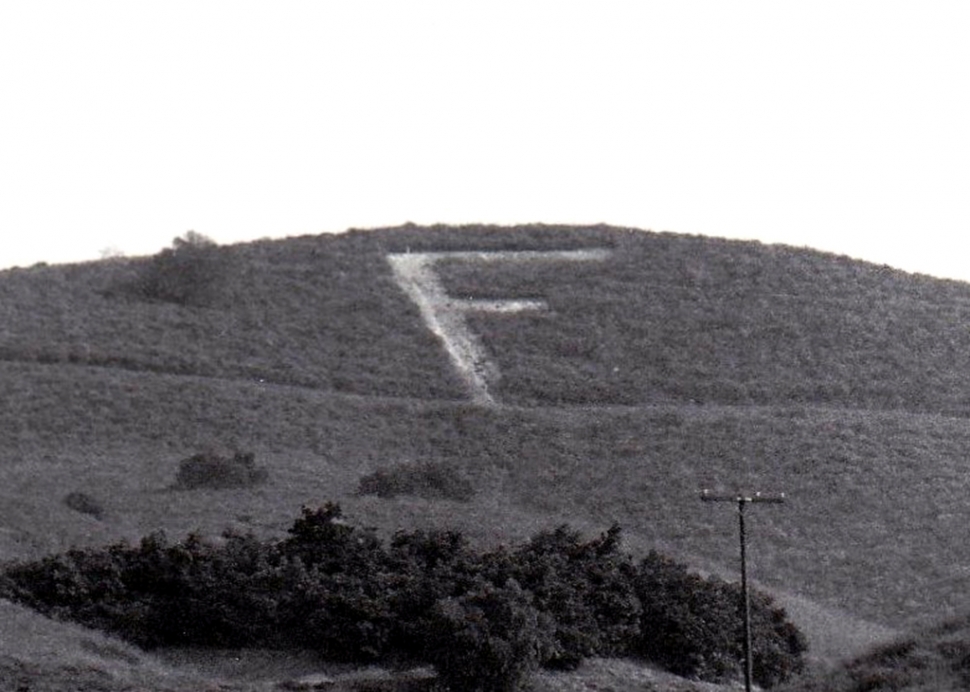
{"points": [[446, 316]]}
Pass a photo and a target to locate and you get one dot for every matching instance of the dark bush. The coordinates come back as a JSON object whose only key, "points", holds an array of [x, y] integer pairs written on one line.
{"points": [[213, 471], [692, 626], [334, 595], [86, 586], [209, 594], [586, 589], [430, 479], [486, 639], [342, 616], [193, 272], [85, 504], [322, 539], [427, 567], [484, 620]]}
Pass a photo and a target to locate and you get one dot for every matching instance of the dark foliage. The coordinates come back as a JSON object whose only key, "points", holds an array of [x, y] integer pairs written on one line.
{"points": [[213, 471], [334, 590], [484, 620], [488, 639], [692, 626], [426, 567], [192, 272], [85, 504], [584, 589], [431, 479]]}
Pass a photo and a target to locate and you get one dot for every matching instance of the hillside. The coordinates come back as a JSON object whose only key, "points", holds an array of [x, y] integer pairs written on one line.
{"points": [[619, 386], [661, 319], [931, 659]]}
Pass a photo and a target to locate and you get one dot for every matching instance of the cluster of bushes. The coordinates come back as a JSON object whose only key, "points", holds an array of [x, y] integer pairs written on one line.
{"points": [[214, 471], [430, 479], [484, 620], [192, 272]]}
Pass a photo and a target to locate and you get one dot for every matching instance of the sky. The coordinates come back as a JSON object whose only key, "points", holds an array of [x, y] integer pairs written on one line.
{"points": [[842, 126]]}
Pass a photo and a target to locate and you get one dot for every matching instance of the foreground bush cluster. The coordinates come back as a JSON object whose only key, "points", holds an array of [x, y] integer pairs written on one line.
{"points": [[484, 620]]}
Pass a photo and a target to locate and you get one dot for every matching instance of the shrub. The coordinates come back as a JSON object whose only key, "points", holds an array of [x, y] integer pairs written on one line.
{"points": [[192, 272], [210, 470], [321, 539], [691, 626], [427, 567], [482, 620], [486, 639], [431, 480], [778, 646], [333, 595], [85, 504], [85, 586], [344, 617], [586, 589], [209, 594]]}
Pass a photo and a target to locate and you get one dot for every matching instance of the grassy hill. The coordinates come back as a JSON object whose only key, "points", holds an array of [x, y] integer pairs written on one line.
{"points": [[931, 659], [665, 319], [677, 363]]}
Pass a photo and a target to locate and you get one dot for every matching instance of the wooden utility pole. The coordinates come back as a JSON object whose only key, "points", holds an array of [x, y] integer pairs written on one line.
{"points": [[742, 501]]}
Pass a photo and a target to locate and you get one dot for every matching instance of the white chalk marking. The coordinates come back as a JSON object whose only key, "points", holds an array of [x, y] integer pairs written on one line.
{"points": [[446, 316]]}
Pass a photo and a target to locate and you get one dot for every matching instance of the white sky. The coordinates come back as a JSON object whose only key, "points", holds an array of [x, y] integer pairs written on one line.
{"points": [[837, 125]]}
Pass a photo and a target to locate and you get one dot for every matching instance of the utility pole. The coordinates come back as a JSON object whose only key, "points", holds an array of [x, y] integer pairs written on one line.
{"points": [[742, 501]]}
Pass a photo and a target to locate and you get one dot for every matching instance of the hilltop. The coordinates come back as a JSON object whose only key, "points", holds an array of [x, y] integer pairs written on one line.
{"points": [[660, 318], [619, 386]]}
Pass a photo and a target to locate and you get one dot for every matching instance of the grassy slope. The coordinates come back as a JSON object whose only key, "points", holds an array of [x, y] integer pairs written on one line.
{"points": [[723, 365], [668, 319], [933, 659], [45, 656], [841, 539]]}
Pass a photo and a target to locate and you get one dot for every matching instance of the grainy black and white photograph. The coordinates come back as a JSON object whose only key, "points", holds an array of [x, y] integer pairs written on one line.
{"points": [[533, 346]]}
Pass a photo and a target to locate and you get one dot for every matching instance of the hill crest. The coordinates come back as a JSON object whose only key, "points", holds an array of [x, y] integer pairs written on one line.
{"points": [[661, 318]]}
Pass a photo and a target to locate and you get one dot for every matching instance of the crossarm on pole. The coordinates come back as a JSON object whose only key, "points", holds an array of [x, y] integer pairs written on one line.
{"points": [[773, 498]]}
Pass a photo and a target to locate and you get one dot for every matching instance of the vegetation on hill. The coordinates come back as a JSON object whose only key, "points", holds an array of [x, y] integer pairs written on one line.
{"points": [[428, 479], [665, 319], [858, 481], [485, 620], [212, 470], [193, 272], [934, 659], [676, 364]]}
